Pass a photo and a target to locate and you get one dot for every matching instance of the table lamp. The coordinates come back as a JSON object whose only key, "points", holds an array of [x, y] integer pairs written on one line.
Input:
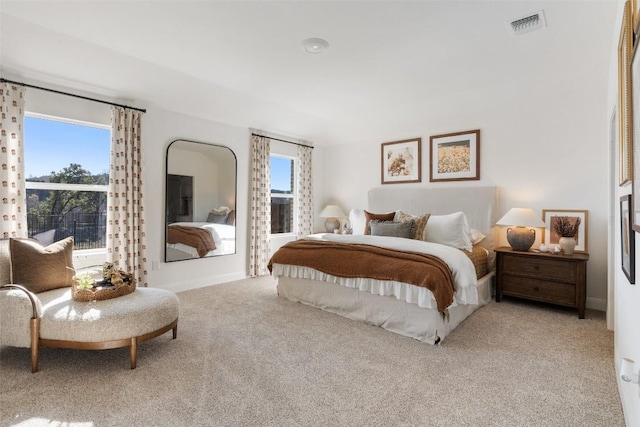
{"points": [[520, 237], [332, 213]]}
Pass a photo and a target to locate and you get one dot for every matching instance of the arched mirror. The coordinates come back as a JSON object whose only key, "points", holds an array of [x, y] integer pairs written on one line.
{"points": [[200, 201]]}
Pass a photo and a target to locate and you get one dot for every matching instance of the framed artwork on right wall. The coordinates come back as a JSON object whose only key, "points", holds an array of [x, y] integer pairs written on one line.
{"points": [[627, 240]]}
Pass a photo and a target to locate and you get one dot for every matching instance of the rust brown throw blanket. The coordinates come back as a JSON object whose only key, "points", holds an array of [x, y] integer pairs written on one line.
{"points": [[358, 260], [197, 238]]}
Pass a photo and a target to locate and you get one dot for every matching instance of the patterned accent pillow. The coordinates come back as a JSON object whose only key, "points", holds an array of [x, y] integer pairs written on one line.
{"points": [[421, 222], [40, 268], [380, 217], [404, 229]]}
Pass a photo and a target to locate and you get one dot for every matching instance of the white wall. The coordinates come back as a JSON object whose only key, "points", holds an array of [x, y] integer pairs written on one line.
{"points": [[543, 144], [626, 296]]}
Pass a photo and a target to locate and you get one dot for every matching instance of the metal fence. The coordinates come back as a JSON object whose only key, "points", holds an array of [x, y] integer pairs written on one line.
{"points": [[88, 230]]}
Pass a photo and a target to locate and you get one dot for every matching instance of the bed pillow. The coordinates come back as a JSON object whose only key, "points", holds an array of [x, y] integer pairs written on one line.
{"points": [[476, 236], [404, 229], [421, 222], [231, 218], [380, 217], [357, 221], [39, 268], [217, 218], [451, 230]]}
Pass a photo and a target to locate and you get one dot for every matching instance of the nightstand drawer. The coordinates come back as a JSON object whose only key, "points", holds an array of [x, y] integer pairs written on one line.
{"points": [[540, 290], [552, 269]]}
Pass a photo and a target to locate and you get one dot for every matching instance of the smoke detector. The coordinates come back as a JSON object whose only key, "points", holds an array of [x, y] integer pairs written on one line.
{"points": [[527, 23], [315, 45]]}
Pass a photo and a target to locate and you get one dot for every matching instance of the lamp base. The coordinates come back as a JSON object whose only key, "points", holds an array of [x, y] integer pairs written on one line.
{"points": [[332, 224], [521, 238]]}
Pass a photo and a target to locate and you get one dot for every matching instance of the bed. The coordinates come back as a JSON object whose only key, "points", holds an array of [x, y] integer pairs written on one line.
{"points": [[397, 306], [222, 240]]}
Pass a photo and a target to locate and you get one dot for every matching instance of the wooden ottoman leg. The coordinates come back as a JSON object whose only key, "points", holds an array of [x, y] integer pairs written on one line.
{"points": [[175, 331], [133, 352]]}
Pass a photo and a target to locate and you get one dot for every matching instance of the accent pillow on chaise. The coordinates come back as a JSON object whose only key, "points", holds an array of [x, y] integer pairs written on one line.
{"points": [[39, 268]]}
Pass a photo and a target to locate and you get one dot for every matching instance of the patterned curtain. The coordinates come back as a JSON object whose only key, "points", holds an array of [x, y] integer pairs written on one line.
{"points": [[13, 206], [304, 197], [260, 230], [125, 216]]}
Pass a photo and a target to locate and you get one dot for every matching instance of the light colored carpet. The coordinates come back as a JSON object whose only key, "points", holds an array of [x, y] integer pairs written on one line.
{"points": [[247, 357]]}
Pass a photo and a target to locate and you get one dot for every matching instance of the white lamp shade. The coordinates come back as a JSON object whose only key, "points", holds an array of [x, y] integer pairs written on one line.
{"points": [[521, 217], [332, 211]]}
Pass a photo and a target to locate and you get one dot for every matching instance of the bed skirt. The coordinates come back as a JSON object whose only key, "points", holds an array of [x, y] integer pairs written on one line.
{"points": [[388, 312]]}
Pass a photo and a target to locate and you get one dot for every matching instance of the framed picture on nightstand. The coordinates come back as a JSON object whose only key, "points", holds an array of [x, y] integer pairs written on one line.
{"points": [[627, 240], [551, 237]]}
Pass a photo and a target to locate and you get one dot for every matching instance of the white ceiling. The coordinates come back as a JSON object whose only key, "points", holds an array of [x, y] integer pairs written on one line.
{"points": [[209, 58]]}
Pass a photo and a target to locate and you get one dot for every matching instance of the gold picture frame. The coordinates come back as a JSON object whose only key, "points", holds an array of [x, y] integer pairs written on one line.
{"points": [[635, 139], [401, 161], [625, 53]]}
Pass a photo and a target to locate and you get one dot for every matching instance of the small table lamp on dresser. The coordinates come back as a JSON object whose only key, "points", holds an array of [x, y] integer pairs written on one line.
{"points": [[332, 213], [519, 237]]}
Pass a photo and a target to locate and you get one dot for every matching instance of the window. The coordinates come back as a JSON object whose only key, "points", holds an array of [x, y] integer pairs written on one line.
{"points": [[282, 194], [67, 177]]}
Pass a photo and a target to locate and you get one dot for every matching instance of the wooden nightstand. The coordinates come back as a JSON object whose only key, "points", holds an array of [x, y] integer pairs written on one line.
{"points": [[555, 279]]}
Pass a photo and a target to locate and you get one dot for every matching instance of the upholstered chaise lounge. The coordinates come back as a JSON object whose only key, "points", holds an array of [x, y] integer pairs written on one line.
{"points": [[52, 318]]}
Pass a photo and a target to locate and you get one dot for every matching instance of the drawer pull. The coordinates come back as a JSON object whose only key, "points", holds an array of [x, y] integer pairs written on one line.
{"points": [[536, 267], [536, 288]]}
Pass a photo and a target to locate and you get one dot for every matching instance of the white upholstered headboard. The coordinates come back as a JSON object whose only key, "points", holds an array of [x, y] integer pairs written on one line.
{"points": [[480, 204]]}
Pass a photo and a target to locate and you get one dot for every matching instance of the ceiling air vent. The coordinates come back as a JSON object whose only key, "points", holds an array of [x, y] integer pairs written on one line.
{"points": [[526, 23]]}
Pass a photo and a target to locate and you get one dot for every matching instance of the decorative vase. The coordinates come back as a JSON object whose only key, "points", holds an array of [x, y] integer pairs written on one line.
{"points": [[568, 244]]}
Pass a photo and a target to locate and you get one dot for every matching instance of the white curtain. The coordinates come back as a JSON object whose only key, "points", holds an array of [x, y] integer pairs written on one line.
{"points": [[304, 196], [260, 230], [126, 244], [13, 205]]}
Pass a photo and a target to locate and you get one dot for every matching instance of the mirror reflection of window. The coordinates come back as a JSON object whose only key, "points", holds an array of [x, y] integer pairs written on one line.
{"points": [[200, 201]]}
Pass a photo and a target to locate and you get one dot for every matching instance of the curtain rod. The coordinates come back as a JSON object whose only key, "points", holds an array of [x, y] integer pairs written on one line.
{"points": [[282, 140], [71, 94]]}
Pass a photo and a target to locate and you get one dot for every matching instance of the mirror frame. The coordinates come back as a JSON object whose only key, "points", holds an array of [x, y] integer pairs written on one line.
{"points": [[166, 198]]}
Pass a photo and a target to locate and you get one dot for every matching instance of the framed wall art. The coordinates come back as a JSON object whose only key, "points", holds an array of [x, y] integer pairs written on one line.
{"points": [[625, 51], [627, 240], [635, 139], [455, 156], [401, 161], [550, 216]]}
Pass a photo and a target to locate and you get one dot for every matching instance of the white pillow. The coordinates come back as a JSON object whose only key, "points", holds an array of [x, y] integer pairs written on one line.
{"points": [[358, 221], [451, 230], [476, 236]]}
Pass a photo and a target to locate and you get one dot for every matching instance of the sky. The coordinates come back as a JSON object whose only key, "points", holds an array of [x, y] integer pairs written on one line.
{"points": [[51, 146], [280, 173]]}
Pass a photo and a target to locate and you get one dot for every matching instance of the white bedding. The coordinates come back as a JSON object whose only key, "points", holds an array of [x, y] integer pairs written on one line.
{"points": [[463, 271], [224, 236], [400, 307]]}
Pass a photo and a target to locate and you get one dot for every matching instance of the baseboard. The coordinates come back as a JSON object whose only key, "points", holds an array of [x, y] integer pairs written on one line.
{"points": [[597, 304], [202, 282]]}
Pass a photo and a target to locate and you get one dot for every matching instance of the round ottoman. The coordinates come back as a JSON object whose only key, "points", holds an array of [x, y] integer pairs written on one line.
{"points": [[119, 322]]}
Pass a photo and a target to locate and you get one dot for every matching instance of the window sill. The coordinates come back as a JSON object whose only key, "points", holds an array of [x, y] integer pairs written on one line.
{"points": [[89, 257]]}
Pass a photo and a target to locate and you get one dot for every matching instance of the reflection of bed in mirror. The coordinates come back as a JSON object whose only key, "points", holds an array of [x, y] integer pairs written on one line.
{"points": [[181, 245], [200, 201]]}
